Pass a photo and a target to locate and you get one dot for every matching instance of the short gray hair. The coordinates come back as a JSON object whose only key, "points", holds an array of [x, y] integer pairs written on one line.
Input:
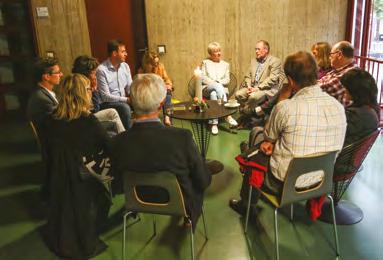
{"points": [[147, 92], [213, 46]]}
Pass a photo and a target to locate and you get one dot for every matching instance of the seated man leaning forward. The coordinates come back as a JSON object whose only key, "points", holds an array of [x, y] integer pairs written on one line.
{"points": [[114, 79], [149, 146], [311, 122], [262, 79]]}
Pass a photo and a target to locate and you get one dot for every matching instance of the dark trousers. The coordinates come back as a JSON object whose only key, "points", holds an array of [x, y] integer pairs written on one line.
{"points": [[123, 110]]}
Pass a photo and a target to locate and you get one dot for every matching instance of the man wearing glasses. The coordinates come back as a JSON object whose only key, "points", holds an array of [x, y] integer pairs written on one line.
{"points": [[342, 60], [43, 100]]}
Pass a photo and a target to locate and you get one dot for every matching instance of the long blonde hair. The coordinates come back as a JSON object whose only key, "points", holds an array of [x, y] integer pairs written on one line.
{"points": [[73, 96], [322, 58]]}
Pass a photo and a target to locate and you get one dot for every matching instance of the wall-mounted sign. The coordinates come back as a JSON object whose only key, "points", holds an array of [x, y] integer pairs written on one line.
{"points": [[42, 12]]}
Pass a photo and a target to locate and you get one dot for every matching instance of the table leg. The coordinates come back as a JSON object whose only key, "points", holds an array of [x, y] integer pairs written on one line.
{"points": [[202, 136]]}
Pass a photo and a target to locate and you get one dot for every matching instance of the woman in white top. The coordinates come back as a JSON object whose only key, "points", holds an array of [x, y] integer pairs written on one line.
{"points": [[216, 74]]}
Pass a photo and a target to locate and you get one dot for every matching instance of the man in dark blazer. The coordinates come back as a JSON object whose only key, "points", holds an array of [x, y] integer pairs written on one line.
{"points": [[41, 105], [43, 100], [150, 146]]}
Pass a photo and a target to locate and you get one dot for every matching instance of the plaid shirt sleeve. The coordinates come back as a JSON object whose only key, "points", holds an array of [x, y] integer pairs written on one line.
{"points": [[332, 86]]}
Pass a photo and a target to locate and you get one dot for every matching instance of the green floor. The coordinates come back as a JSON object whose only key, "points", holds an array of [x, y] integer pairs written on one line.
{"points": [[22, 213]]}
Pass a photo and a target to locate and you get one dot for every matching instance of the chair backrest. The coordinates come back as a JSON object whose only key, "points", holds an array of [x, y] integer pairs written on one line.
{"points": [[348, 163], [303, 165], [161, 179], [231, 87], [352, 156]]}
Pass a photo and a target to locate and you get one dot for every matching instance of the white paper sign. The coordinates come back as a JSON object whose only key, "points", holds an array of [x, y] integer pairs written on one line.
{"points": [[42, 11]]}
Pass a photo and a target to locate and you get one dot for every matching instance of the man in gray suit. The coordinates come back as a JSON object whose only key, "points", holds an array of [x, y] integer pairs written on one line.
{"points": [[43, 100], [263, 78]]}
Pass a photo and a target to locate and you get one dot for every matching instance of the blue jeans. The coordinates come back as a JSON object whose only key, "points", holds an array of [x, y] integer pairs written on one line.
{"points": [[215, 91]]}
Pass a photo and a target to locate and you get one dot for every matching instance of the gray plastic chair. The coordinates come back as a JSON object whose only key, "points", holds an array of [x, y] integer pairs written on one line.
{"points": [[297, 167], [174, 207]]}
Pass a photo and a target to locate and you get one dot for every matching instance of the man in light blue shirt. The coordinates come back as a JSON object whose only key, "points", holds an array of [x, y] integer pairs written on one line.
{"points": [[114, 80]]}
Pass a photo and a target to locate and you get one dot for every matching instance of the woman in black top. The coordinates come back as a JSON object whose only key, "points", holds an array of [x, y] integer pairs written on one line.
{"points": [[363, 114], [78, 202]]}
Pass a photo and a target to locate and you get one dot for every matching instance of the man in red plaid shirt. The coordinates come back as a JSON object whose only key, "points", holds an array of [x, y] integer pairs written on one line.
{"points": [[342, 60]]}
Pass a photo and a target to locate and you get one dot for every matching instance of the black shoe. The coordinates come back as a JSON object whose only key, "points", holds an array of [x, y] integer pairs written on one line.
{"points": [[237, 205]]}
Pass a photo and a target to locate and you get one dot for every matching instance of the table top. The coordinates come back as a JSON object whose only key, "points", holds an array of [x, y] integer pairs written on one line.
{"points": [[213, 111]]}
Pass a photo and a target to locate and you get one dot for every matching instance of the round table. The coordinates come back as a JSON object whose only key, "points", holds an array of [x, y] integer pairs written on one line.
{"points": [[199, 122]]}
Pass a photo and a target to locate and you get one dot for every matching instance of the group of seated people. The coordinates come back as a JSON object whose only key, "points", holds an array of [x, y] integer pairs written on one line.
{"points": [[304, 115], [327, 104], [84, 133]]}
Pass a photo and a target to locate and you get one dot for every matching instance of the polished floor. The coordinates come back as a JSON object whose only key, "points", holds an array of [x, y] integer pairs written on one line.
{"points": [[22, 213]]}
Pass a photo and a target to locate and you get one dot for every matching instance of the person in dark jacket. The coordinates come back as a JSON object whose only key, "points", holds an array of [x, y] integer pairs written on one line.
{"points": [[363, 114], [78, 202], [149, 146]]}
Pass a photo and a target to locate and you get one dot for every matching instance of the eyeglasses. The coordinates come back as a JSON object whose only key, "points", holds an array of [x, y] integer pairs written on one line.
{"points": [[56, 72]]}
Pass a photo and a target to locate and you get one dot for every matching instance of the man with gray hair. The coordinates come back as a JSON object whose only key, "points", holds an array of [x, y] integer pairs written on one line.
{"points": [[262, 79], [149, 146]]}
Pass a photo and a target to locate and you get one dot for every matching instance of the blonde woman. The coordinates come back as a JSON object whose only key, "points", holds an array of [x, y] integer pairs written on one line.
{"points": [[216, 74], [75, 137], [151, 64], [321, 52]]}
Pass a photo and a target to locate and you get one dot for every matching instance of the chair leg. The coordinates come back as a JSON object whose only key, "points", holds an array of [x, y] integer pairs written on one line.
{"points": [[334, 224], [204, 223], [291, 211], [124, 236], [276, 232], [110, 191], [248, 208], [154, 226], [191, 239]]}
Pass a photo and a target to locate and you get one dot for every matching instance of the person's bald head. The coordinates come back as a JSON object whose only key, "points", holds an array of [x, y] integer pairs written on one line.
{"points": [[342, 53]]}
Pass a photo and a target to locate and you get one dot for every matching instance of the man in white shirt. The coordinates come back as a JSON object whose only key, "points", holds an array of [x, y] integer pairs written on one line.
{"points": [[114, 80], [311, 122]]}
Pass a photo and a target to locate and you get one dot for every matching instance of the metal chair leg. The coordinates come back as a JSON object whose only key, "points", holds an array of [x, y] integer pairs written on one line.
{"points": [[110, 191], [334, 224], [124, 236], [276, 232], [204, 223], [248, 208], [154, 226], [291, 211], [191, 239]]}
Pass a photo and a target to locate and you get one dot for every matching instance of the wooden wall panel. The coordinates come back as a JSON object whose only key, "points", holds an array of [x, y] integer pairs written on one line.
{"points": [[65, 31], [187, 26]]}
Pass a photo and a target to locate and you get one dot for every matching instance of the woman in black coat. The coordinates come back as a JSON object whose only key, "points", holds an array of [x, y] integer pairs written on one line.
{"points": [[363, 114], [78, 202]]}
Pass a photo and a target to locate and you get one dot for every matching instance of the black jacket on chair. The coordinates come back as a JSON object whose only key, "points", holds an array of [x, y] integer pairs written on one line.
{"points": [[78, 206], [150, 147]]}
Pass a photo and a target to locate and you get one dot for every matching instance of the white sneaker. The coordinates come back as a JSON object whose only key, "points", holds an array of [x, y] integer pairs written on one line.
{"points": [[214, 129], [231, 121]]}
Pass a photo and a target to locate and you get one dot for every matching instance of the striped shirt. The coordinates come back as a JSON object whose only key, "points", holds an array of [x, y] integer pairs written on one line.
{"points": [[311, 122]]}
